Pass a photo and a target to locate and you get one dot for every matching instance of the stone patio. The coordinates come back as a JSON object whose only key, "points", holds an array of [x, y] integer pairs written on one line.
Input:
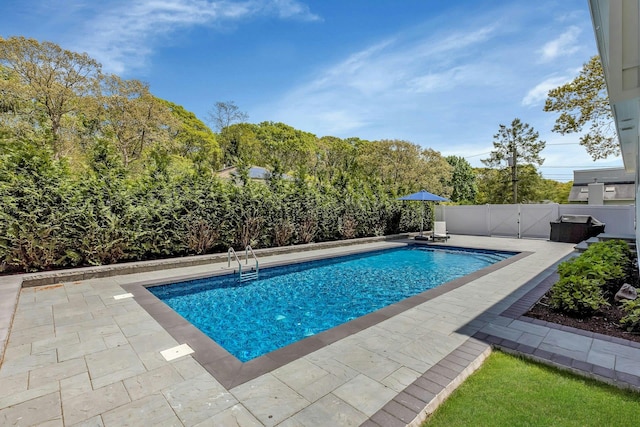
{"points": [[77, 356]]}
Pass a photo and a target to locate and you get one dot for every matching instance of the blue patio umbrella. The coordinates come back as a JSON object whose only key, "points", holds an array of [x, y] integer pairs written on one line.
{"points": [[423, 196]]}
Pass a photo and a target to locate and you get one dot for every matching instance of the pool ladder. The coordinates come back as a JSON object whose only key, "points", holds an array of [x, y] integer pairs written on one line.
{"points": [[244, 275]]}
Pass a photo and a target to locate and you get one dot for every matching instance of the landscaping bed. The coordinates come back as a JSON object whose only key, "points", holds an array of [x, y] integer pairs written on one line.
{"points": [[583, 297], [606, 321]]}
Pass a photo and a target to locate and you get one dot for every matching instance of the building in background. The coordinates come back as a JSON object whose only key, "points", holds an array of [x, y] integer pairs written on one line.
{"points": [[607, 186]]}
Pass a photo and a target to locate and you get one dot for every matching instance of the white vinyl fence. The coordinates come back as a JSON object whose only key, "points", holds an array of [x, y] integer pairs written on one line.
{"points": [[529, 221]]}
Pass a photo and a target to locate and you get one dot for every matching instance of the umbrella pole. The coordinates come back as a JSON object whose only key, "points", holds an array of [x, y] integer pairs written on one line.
{"points": [[422, 220]]}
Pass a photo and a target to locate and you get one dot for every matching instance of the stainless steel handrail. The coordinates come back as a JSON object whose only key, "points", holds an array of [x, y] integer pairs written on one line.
{"points": [[249, 274], [232, 251], [255, 258]]}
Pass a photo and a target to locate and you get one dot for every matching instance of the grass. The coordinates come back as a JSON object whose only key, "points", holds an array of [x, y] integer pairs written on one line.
{"points": [[511, 391]]}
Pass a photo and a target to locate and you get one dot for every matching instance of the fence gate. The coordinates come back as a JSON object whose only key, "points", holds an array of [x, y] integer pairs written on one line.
{"points": [[535, 219], [504, 220]]}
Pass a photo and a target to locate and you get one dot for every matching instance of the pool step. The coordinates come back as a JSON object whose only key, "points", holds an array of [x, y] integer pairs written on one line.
{"points": [[602, 237], [249, 275]]}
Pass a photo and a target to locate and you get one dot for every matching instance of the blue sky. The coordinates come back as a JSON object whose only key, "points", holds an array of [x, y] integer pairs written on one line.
{"points": [[442, 74]]}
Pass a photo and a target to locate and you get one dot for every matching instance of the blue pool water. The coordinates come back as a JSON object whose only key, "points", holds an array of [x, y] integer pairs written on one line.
{"points": [[292, 302]]}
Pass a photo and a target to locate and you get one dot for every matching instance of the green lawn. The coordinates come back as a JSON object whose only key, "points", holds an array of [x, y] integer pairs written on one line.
{"points": [[510, 391]]}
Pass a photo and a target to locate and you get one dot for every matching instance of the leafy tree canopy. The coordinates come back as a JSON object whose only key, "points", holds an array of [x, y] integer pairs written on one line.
{"points": [[555, 191], [494, 185], [285, 148], [402, 167], [519, 139], [584, 102], [239, 143], [46, 83], [518, 144], [194, 140], [463, 180], [133, 118]]}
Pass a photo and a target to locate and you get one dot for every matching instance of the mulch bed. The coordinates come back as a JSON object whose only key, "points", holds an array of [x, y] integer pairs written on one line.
{"points": [[606, 321]]}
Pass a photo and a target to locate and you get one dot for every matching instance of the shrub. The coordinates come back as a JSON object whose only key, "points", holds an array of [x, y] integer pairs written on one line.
{"points": [[347, 226], [283, 231], [577, 295], [587, 281], [632, 318], [201, 237], [34, 208], [613, 262]]}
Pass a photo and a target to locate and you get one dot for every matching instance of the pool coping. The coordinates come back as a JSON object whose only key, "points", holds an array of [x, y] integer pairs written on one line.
{"points": [[231, 372], [12, 284]]}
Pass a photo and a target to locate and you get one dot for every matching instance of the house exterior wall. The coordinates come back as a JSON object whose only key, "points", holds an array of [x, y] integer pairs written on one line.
{"points": [[616, 25]]}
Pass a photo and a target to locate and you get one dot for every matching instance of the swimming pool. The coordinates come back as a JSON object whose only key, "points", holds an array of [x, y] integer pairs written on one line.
{"points": [[296, 301]]}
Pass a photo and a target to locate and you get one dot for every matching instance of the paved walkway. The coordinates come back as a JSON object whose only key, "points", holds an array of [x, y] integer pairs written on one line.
{"points": [[77, 356], [610, 359]]}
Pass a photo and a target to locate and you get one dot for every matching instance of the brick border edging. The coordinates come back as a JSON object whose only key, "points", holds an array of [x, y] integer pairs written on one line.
{"points": [[415, 403], [517, 311]]}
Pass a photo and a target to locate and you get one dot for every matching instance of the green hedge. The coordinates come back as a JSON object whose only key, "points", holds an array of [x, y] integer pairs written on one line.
{"points": [[50, 218]]}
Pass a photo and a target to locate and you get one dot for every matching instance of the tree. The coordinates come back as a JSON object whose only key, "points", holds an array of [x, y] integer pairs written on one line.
{"points": [[518, 143], [494, 185], [394, 163], [555, 191], [463, 180], [488, 185], [336, 158], [133, 118], [49, 79], [225, 114], [584, 101], [239, 144], [9, 82], [194, 140], [402, 167], [16, 111], [436, 173], [285, 148]]}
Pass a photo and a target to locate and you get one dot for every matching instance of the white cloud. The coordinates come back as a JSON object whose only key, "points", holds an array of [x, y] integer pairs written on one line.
{"points": [[446, 80], [434, 81], [394, 74], [459, 40], [539, 93], [356, 72], [292, 9], [343, 120], [125, 35], [565, 44], [397, 66]]}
